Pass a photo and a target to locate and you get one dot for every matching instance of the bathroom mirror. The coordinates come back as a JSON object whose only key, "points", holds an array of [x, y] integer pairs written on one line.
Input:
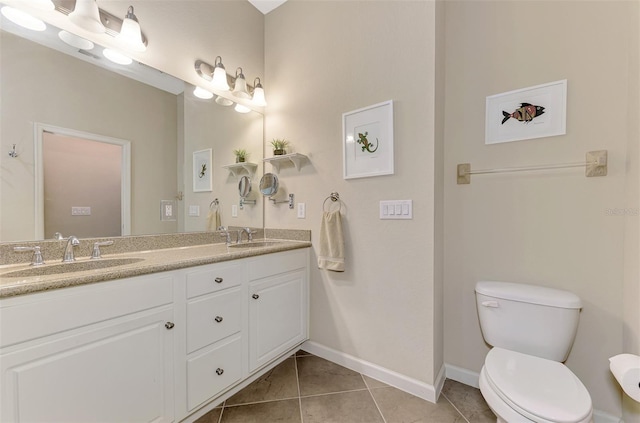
{"points": [[164, 127], [244, 187], [269, 184]]}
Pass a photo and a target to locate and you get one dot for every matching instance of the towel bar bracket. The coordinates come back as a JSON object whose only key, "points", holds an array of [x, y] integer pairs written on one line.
{"points": [[290, 201]]}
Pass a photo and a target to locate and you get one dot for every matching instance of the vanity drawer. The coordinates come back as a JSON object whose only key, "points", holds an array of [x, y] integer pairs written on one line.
{"points": [[211, 372], [213, 278], [211, 318]]}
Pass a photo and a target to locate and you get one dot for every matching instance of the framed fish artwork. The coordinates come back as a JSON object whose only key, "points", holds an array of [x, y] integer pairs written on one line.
{"points": [[367, 141], [534, 112]]}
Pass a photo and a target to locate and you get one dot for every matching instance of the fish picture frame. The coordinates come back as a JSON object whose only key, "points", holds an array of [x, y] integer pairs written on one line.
{"points": [[202, 172], [533, 112], [367, 141]]}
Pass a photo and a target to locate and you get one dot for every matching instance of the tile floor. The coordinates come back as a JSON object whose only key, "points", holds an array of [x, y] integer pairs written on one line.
{"points": [[308, 389]]}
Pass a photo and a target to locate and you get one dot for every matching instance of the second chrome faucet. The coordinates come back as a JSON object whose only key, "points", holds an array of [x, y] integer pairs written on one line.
{"points": [[68, 257]]}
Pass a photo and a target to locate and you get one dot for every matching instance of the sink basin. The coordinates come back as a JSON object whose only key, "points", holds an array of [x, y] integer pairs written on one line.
{"points": [[76, 266], [255, 244]]}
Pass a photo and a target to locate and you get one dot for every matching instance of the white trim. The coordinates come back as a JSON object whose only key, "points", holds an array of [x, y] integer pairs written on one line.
{"points": [[464, 376], [125, 191], [471, 378], [404, 383]]}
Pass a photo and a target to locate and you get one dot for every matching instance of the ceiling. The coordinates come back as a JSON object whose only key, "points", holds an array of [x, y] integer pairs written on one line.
{"points": [[266, 6]]}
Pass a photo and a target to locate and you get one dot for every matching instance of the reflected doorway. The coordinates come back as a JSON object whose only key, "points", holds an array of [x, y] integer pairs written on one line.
{"points": [[83, 184]]}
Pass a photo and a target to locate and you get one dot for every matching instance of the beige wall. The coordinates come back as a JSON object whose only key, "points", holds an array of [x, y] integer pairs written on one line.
{"points": [[324, 59], [41, 85], [631, 288], [549, 228]]}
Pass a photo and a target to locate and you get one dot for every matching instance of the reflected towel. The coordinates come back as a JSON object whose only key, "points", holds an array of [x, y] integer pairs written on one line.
{"points": [[331, 251], [213, 220]]}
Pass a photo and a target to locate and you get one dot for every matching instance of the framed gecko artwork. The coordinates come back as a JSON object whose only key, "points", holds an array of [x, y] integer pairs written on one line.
{"points": [[533, 112], [202, 175], [368, 141]]}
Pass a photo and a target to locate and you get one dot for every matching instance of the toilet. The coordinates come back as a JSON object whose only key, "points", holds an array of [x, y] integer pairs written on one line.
{"points": [[531, 329]]}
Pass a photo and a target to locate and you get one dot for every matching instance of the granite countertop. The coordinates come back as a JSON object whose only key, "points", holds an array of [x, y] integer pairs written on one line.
{"points": [[129, 264]]}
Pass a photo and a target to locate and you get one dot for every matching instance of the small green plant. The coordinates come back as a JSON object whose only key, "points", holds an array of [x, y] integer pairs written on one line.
{"points": [[241, 155], [279, 146]]}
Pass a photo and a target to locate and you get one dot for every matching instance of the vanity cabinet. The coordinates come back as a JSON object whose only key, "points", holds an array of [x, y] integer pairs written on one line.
{"points": [[92, 353], [214, 330], [277, 307], [155, 348]]}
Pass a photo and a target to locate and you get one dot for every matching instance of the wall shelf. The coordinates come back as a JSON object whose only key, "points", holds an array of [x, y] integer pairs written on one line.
{"points": [[296, 158], [238, 169]]}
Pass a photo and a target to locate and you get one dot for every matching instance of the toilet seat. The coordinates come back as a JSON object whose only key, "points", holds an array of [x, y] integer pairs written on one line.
{"points": [[539, 389]]}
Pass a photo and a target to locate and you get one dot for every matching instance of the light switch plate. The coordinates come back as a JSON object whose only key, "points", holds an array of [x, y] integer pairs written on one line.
{"points": [[396, 209], [301, 210], [194, 210]]}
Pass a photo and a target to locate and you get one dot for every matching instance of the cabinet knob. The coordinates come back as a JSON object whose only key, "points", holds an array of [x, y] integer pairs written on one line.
{"points": [[218, 280], [169, 325], [218, 319], [255, 296], [219, 371]]}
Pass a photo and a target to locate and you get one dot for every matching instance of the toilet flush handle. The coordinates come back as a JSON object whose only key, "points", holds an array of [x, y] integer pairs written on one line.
{"points": [[492, 304]]}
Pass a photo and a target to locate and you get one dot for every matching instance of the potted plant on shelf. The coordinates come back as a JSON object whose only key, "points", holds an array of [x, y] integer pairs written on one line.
{"points": [[279, 146], [241, 155]]}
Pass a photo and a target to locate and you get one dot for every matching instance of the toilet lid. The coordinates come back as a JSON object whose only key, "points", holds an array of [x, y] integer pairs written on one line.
{"points": [[536, 387]]}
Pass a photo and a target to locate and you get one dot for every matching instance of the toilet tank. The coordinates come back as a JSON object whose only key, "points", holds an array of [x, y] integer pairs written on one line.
{"points": [[529, 319]]}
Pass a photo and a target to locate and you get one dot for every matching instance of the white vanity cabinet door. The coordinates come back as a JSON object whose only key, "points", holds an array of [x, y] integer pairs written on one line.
{"points": [[278, 307], [115, 371]]}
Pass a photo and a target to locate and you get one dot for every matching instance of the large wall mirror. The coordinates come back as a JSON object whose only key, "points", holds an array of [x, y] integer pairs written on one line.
{"points": [[43, 88]]}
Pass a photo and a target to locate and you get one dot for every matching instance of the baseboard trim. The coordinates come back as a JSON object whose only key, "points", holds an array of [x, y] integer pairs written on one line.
{"points": [[464, 376], [472, 378], [395, 379]]}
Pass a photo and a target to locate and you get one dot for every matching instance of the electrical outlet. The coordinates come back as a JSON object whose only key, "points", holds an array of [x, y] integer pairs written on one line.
{"points": [[301, 211], [80, 211], [234, 210], [167, 210]]}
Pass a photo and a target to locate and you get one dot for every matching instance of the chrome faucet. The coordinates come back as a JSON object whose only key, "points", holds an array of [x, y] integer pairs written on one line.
{"points": [[226, 234], [249, 233], [72, 241]]}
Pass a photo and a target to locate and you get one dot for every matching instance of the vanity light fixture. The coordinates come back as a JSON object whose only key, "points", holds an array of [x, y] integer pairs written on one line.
{"points": [[241, 108], [220, 75], [75, 41], [258, 94], [130, 34], [223, 101], [86, 15], [202, 93], [240, 86], [116, 57], [23, 19]]}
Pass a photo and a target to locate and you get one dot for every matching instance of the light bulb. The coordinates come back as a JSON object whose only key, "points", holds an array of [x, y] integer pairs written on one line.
{"points": [[242, 109], [117, 57], [202, 93]]}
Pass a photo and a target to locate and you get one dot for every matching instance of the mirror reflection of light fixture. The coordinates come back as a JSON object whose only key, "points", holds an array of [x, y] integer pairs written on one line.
{"points": [[241, 109], [75, 41], [86, 15], [223, 101], [240, 86], [220, 76], [202, 93], [23, 19], [116, 57], [258, 94], [130, 34]]}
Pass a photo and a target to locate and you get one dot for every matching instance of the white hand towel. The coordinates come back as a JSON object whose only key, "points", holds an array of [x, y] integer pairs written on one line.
{"points": [[213, 220], [331, 251]]}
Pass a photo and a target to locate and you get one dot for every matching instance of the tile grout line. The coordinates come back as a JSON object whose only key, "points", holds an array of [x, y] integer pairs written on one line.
{"points": [[221, 412], [454, 406], [373, 398], [333, 393], [295, 361]]}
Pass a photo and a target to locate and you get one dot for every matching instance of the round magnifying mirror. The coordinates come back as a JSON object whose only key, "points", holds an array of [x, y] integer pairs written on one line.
{"points": [[269, 184], [244, 187]]}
